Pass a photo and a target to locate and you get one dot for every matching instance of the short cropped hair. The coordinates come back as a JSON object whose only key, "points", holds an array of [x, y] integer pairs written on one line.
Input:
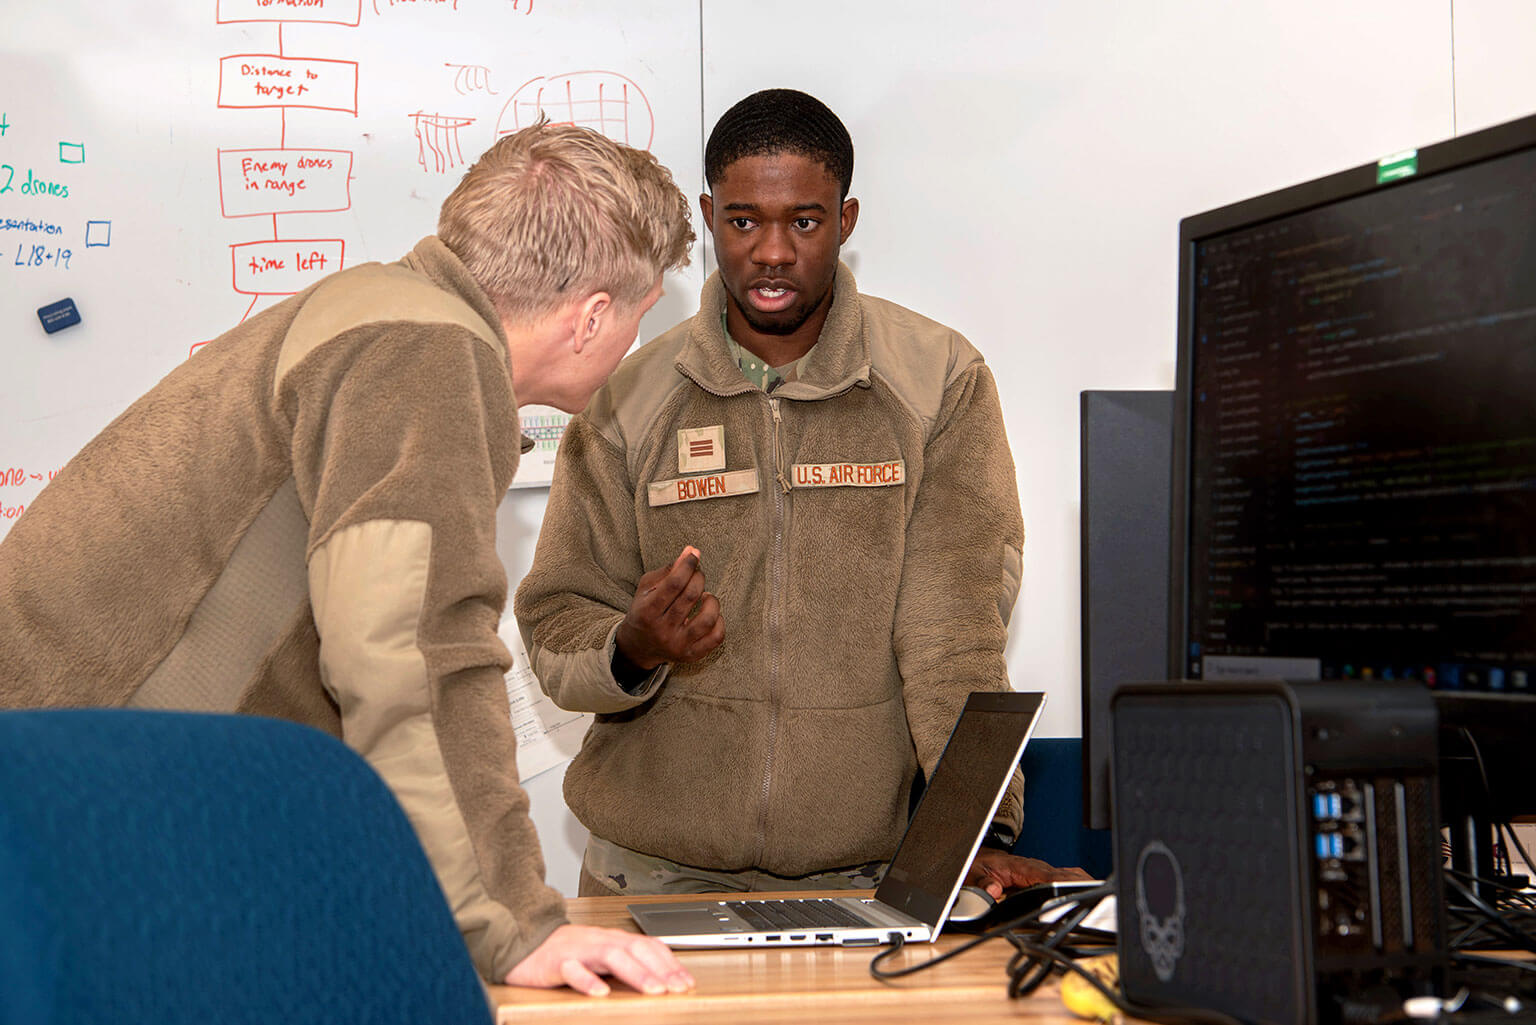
{"points": [[553, 213], [780, 121]]}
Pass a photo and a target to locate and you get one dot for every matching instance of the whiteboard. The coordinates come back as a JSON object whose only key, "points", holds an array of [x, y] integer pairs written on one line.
{"points": [[176, 168]]}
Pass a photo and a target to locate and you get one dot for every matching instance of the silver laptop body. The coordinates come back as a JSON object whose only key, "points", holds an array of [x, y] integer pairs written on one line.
{"points": [[926, 873]]}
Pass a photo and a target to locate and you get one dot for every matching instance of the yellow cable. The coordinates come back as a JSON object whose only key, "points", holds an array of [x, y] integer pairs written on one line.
{"points": [[1082, 999]]}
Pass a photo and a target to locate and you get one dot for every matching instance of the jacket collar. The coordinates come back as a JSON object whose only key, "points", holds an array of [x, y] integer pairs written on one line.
{"points": [[837, 362], [436, 262]]}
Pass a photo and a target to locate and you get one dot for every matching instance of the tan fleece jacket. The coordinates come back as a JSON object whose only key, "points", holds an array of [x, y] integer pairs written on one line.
{"points": [[299, 521], [862, 532]]}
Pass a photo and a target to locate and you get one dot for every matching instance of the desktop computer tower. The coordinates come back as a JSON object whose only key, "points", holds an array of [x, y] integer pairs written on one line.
{"points": [[1277, 847]]}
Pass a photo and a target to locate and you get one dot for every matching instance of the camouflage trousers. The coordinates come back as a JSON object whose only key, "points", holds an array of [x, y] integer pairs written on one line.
{"points": [[610, 870]]}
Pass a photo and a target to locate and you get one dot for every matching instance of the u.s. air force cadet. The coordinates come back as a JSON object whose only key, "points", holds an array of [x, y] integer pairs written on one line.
{"points": [[838, 464]]}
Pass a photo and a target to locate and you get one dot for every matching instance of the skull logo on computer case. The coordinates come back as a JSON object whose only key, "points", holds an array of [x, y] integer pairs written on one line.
{"points": [[1160, 903]]}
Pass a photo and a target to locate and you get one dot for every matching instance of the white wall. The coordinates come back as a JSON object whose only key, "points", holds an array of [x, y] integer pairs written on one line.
{"points": [[1495, 78], [1022, 169]]}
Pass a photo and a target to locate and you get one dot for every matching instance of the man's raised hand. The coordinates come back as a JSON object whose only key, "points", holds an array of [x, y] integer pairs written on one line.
{"points": [[671, 618]]}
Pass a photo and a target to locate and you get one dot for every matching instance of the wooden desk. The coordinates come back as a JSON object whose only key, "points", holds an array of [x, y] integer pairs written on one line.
{"points": [[796, 985]]}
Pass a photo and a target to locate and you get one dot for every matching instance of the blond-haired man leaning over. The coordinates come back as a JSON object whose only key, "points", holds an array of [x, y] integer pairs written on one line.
{"points": [[300, 520]]}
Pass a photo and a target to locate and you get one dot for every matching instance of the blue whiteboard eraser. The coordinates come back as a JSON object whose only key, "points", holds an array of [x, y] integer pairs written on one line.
{"points": [[57, 316]]}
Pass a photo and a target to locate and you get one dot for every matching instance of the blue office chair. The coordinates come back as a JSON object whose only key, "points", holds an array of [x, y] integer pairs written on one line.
{"points": [[1053, 809], [165, 867]]}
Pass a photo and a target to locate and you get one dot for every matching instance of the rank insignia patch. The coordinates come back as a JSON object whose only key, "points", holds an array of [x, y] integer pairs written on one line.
{"points": [[701, 449]]}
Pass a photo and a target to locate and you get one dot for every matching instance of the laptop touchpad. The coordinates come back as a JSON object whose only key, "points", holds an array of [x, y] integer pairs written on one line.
{"points": [[682, 921]]}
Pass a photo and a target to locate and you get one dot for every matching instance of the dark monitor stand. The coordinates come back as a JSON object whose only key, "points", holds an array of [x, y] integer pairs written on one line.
{"points": [[1487, 776]]}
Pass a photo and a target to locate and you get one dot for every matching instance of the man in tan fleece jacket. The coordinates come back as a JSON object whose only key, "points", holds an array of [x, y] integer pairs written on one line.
{"points": [[300, 520], [839, 464]]}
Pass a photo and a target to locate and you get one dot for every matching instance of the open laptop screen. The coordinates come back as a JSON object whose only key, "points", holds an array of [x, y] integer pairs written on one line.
{"points": [[967, 786]]}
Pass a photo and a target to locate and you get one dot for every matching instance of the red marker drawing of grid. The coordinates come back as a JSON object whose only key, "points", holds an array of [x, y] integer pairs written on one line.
{"points": [[604, 101], [438, 134]]}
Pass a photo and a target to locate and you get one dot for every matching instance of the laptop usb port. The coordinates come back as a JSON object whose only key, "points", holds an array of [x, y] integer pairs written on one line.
{"points": [[823, 937], [773, 939]]}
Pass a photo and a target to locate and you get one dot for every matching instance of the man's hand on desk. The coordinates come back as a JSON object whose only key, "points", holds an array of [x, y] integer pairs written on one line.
{"points": [[999, 872], [577, 955]]}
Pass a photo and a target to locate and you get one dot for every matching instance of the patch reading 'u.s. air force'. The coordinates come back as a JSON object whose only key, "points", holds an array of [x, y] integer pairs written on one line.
{"points": [[848, 475], [709, 485]]}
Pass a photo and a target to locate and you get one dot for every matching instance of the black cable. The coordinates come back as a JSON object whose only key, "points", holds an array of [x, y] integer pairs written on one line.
{"points": [[1494, 962], [898, 941], [1022, 983], [1033, 963], [1089, 940], [1042, 959], [1487, 932], [1169, 1015], [1501, 862], [1497, 922], [1492, 916], [1494, 884], [1514, 906], [1095, 894], [1473, 927]]}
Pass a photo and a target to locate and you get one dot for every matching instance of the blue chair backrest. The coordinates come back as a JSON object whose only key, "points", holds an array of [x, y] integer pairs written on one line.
{"points": [[164, 867], [1053, 809]]}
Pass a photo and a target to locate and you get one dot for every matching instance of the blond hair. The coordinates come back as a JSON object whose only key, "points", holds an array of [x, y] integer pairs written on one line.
{"points": [[553, 213]]}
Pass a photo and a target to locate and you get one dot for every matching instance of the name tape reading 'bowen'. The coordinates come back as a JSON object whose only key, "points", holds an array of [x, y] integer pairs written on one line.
{"points": [[848, 475], [713, 485]]}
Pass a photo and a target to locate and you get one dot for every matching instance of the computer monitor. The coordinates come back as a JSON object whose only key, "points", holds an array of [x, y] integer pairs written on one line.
{"points": [[1354, 478], [1126, 450]]}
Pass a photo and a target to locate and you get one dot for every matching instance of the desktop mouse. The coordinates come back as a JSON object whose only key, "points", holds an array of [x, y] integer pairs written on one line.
{"points": [[976, 911], [972, 905]]}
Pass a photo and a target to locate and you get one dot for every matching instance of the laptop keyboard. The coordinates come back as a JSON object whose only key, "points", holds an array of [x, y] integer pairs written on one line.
{"points": [[811, 913]]}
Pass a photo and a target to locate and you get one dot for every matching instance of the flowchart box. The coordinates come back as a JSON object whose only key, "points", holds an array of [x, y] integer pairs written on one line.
{"points": [[255, 182], [329, 12], [284, 266], [254, 80]]}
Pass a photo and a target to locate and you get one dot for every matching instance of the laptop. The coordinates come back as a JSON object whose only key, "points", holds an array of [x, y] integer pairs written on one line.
{"points": [[925, 875]]}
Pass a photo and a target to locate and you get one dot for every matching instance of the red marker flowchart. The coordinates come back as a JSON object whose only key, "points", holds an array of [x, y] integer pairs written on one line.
{"points": [[270, 182], [262, 184]]}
